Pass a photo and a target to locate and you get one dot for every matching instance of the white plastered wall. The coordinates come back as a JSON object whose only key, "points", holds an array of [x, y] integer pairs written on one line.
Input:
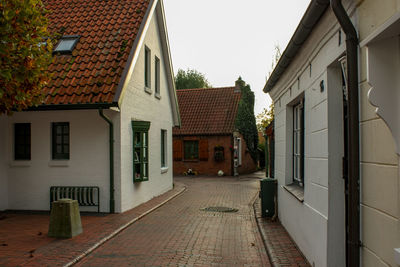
{"points": [[3, 171], [29, 182], [140, 105], [319, 237], [379, 68]]}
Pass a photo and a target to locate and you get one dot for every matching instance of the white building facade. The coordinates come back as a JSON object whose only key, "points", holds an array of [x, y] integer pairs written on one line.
{"points": [[25, 184], [311, 98]]}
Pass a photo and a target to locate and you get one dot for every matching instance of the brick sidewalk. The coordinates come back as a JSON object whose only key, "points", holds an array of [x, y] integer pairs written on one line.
{"points": [[282, 250], [24, 240], [199, 239], [181, 233]]}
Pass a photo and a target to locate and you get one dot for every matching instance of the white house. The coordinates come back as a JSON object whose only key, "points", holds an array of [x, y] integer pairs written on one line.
{"points": [[108, 112], [331, 140]]}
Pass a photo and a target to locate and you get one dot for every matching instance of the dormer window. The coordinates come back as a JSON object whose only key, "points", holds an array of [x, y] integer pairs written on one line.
{"points": [[66, 44]]}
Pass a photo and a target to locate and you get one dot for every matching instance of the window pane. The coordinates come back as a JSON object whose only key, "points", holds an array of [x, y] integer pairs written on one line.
{"points": [[191, 149], [137, 171], [137, 155], [163, 148], [65, 45], [137, 139], [147, 67], [144, 139], [144, 169], [297, 142], [60, 140], [22, 141], [157, 75]]}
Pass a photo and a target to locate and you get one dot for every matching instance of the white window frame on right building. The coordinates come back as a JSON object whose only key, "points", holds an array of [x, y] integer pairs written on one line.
{"points": [[298, 143]]}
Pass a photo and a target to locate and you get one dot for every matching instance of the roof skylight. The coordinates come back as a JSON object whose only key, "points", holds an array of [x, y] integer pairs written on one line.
{"points": [[66, 44]]}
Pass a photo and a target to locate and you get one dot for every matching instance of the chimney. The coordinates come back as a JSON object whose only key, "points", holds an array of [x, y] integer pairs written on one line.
{"points": [[238, 84]]}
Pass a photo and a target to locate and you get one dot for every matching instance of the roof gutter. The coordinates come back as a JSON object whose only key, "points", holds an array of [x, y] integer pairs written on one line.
{"points": [[45, 107], [111, 152], [353, 181]]}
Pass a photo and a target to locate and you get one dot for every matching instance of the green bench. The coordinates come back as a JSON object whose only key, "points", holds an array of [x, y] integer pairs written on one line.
{"points": [[88, 196]]}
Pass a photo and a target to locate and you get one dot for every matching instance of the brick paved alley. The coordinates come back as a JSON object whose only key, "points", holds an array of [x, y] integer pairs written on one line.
{"points": [[181, 234]]}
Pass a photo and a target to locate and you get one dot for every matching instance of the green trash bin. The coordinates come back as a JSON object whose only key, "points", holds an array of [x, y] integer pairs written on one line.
{"points": [[267, 194]]}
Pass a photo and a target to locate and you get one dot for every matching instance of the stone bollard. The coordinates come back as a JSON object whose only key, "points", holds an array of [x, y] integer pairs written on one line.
{"points": [[65, 220]]}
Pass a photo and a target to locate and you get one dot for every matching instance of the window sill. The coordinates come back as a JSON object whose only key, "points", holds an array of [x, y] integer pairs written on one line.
{"points": [[20, 163], [59, 163], [148, 90], [296, 191], [164, 169], [157, 95]]}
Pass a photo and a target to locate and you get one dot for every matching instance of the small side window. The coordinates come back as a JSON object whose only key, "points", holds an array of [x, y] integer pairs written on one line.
{"points": [[60, 140], [147, 67], [163, 148], [22, 141], [157, 77]]}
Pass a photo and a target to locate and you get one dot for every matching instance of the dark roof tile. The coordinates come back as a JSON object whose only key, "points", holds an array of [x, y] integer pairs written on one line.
{"points": [[92, 73]]}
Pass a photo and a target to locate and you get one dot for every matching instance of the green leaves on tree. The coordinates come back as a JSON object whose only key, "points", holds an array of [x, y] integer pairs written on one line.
{"points": [[25, 54], [245, 121], [190, 79]]}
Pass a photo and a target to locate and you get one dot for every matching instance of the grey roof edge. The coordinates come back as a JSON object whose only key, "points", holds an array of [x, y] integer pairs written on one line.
{"points": [[310, 18]]}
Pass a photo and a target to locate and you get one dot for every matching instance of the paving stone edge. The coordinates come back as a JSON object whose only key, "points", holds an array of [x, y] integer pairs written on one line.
{"points": [[267, 243], [123, 227]]}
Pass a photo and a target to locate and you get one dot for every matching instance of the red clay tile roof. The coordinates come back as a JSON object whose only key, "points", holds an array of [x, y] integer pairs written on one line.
{"points": [[107, 30], [209, 111]]}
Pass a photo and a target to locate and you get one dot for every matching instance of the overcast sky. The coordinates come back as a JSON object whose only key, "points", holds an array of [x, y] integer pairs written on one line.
{"points": [[225, 39]]}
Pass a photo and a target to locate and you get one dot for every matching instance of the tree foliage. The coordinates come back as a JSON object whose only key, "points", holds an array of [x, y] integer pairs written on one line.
{"points": [[265, 117], [190, 79], [25, 54], [245, 121]]}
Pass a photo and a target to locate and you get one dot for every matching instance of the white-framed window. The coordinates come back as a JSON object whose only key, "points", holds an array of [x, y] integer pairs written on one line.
{"points": [[140, 130], [157, 76], [147, 67], [298, 143], [163, 148]]}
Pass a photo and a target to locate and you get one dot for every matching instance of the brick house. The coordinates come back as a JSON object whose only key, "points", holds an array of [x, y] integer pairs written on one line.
{"points": [[207, 142]]}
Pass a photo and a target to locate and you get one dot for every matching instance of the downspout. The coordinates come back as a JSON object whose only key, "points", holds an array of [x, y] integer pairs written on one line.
{"points": [[353, 209], [111, 152]]}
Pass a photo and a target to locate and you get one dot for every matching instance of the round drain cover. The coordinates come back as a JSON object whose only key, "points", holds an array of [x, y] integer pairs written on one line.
{"points": [[220, 209]]}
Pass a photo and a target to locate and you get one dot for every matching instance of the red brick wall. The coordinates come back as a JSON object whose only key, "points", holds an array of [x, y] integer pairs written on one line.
{"points": [[211, 166]]}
